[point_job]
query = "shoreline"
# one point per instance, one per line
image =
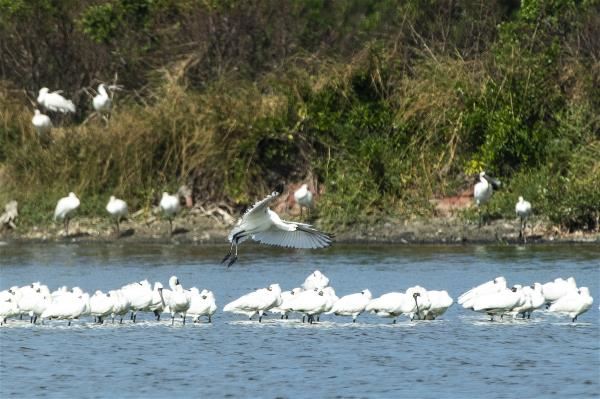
(202, 230)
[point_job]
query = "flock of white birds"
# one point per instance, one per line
(312, 299)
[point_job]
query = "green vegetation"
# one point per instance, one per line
(387, 104)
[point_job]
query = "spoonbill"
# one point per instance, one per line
(64, 208)
(102, 102)
(257, 302)
(117, 208)
(169, 205)
(315, 280)
(101, 305)
(574, 303)
(304, 198)
(351, 305)
(54, 101)
(554, 290)
(178, 301)
(392, 305)
(263, 225)
(483, 191)
(287, 297)
(499, 303)
(523, 210)
(495, 285)
(310, 303)
(41, 123)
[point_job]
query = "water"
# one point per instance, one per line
(460, 355)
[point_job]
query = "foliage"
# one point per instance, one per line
(385, 104)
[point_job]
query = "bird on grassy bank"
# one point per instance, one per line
(41, 123)
(117, 208)
(304, 198)
(483, 191)
(263, 225)
(64, 209)
(101, 101)
(523, 210)
(169, 205)
(54, 101)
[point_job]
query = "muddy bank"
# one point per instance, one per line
(195, 228)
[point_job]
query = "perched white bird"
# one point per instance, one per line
(257, 302)
(310, 303)
(54, 101)
(303, 197)
(64, 208)
(41, 123)
(351, 305)
(523, 210)
(102, 102)
(263, 225)
(117, 208)
(169, 205)
(202, 304)
(315, 280)
(574, 303)
(483, 191)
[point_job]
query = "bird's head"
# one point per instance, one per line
(520, 198)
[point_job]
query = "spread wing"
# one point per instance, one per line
(305, 236)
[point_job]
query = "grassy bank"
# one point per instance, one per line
(384, 116)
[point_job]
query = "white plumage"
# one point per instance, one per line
(523, 211)
(41, 123)
(54, 101)
(554, 290)
(263, 225)
(574, 303)
(117, 208)
(315, 280)
(351, 305)
(170, 206)
(179, 301)
(256, 302)
(64, 208)
(496, 285)
(102, 102)
(303, 197)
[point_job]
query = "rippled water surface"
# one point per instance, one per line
(460, 355)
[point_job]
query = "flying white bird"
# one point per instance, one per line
(64, 207)
(54, 101)
(41, 123)
(303, 197)
(483, 191)
(169, 205)
(523, 210)
(117, 208)
(263, 225)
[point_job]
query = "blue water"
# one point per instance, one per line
(460, 355)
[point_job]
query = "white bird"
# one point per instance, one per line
(574, 303)
(257, 302)
(315, 280)
(499, 303)
(558, 288)
(263, 225)
(495, 285)
(169, 205)
(179, 301)
(310, 303)
(64, 208)
(41, 123)
(102, 102)
(287, 297)
(533, 299)
(440, 302)
(392, 305)
(117, 208)
(303, 197)
(351, 305)
(202, 304)
(483, 191)
(68, 306)
(8, 308)
(54, 101)
(101, 305)
(139, 295)
(121, 305)
(422, 302)
(523, 210)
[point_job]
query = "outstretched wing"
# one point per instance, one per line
(305, 236)
(257, 210)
